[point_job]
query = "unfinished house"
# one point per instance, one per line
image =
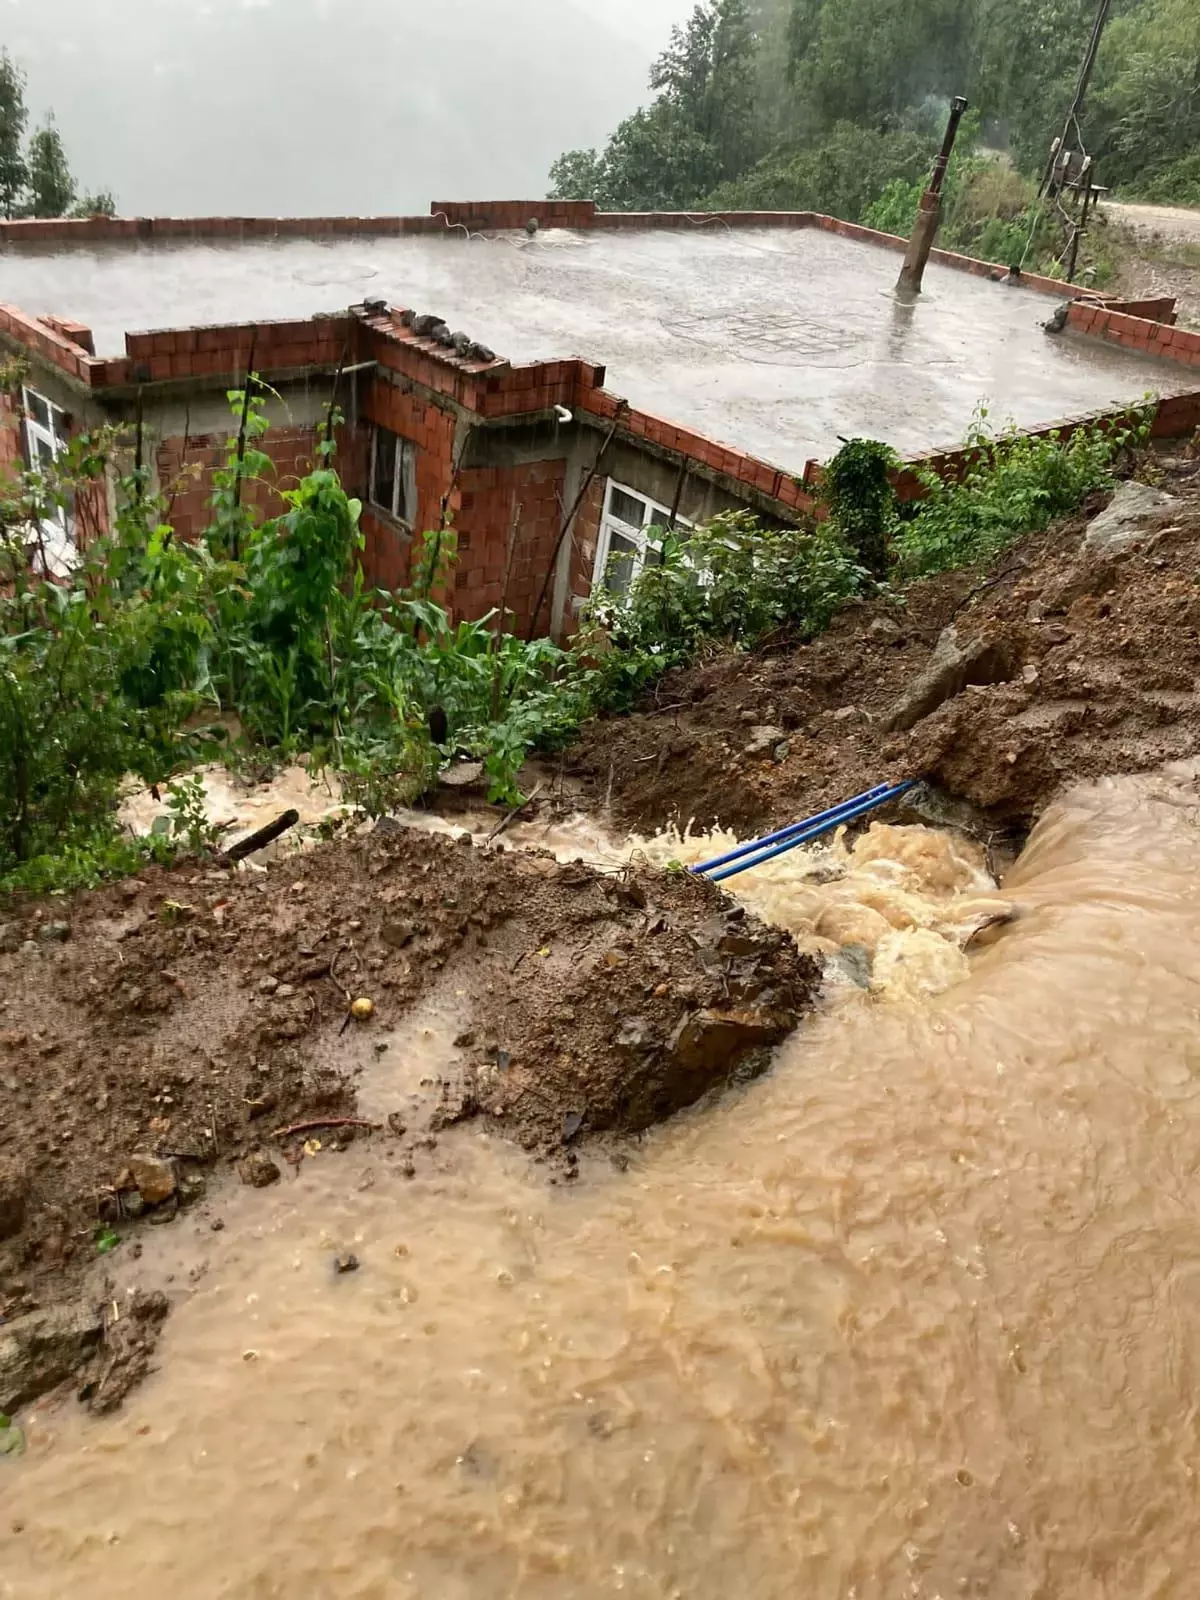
(558, 384)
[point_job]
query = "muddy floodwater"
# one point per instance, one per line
(916, 1315)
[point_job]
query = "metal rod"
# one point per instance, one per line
(815, 832)
(755, 845)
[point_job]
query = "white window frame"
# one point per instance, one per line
(58, 530)
(404, 478)
(657, 516)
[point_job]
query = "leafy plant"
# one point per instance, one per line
(858, 490)
(187, 823)
(1013, 485)
(731, 582)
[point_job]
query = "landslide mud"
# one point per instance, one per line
(196, 1019)
(1091, 665)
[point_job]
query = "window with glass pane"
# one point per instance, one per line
(383, 478)
(393, 475)
(627, 507)
(45, 440)
(631, 534)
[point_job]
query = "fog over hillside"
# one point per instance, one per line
(319, 106)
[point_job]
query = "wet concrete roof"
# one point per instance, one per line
(775, 341)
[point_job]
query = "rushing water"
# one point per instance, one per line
(914, 1316)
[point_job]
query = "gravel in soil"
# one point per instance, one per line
(196, 1018)
(1080, 664)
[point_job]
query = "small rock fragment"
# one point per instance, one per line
(763, 738)
(345, 1261)
(258, 1170)
(153, 1178)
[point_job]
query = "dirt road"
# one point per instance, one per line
(1179, 224)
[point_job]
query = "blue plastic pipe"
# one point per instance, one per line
(814, 830)
(835, 814)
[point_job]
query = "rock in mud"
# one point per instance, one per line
(763, 739)
(10, 938)
(14, 1189)
(153, 1178)
(54, 932)
(258, 1170)
(124, 1359)
(345, 1261)
(44, 1349)
(953, 666)
(1124, 524)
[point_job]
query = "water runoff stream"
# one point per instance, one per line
(912, 1316)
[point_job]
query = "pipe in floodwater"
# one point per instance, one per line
(755, 845)
(805, 833)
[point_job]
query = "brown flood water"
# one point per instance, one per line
(916, 1316)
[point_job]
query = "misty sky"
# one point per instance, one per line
(277, 107)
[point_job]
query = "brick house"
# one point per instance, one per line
(550, 479)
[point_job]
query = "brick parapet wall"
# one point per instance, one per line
(1140, 334)
(1174, 417)
(181, 354)
(470, 217)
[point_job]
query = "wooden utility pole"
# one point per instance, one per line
(930, 214)
(1061, 145)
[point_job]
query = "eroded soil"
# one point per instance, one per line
(1088, 664)
(198, 1017)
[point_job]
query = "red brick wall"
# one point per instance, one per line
(585, 534)
(491, 497)
(1137, 333)
(12, 458)
(185, 469)
(414, 417)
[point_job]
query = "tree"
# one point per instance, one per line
(101, 204)
(13, 117)
(699, 130)
(706, 76)
(654, 162)
(868, 61)
(577, 175)
(51, 187)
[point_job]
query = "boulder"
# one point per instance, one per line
(763, 739)
(153, 1178)
(258, 1170)
(44, 1349)
(953, 666)
(1124, 524)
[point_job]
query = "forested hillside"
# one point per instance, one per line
(837, 105)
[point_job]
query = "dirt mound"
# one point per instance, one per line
(198, 1017)
(1068, 663)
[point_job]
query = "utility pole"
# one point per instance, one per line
(930, 213)
(1059, 150)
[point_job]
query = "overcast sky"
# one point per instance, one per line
(280, 107)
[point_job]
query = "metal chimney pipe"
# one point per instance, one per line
(930, 214)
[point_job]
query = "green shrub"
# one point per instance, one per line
(731, 582)
(857, 487)
(1014, 485)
